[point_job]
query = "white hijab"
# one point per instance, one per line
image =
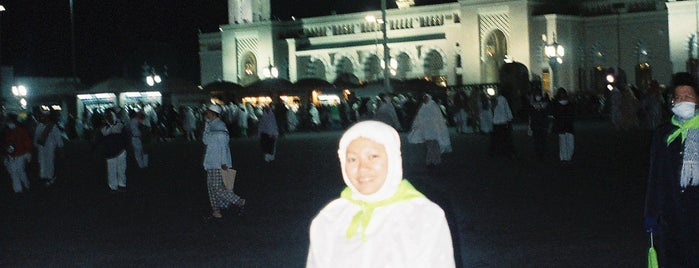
(387, 136)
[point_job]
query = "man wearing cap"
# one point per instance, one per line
(216, 158)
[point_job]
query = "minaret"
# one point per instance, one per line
(246, 11)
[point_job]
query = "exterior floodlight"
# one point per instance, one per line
(490, 91)
(610, 78)
(150, 81)
(157, 79)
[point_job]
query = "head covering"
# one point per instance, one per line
(215, 108)
(388, 137)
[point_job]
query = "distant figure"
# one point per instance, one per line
(139, 135)
(387, 112)
(243, 116)
(47, 140)
(563, 118)
(217, 157)
(268, 132)
(486, 114)
(380, 219)
(315, 117)
(430, 127)
(189, 124)
(18, 148)
(114, 141)
(501, 138)
(539, 112)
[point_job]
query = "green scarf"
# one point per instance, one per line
(682, 128)
(361, 219)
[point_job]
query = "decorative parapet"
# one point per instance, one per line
(356, 23)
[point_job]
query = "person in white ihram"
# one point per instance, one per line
(380, 219)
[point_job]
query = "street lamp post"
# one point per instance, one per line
(2, 9)
(386, 53)
(554, 52)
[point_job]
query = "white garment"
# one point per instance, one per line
(16, 167)
(566, 144)
(216, 139)
(315, 115)
(46, 153)
(429, 124)
(387, 114)
(502, 113)
(116, 171)
(189, 122)
(137, 143)
(411, 233)
(268, 124)
(408, 233)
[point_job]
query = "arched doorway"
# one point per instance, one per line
(343, 66)
(249, 74)
(495, 51)
(433, 65)
(315, 69)
(404, 66)
(372, 68)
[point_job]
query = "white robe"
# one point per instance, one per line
(47, 152)
(395, 237)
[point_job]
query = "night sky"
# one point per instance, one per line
(115, 37)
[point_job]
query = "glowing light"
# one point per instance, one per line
(490, 91)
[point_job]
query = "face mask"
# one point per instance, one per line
(11, 125)
(684, 110)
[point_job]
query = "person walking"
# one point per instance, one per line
(139, 133)
(672, 196)
(315, 117)
(47, 140)
(387, 112)
(539, 112)
(501, 137)
(217, 157)
(563, 118)
(114, 141)
(380, 219)
(268, 132)
(485, 116)
(429, 127)
(18, 148)
(189, 124)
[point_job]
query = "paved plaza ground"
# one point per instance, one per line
(521, 212)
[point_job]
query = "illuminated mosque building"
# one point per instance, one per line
(570, 44)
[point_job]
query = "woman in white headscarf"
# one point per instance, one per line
(430, 127)
(380, 219)
(217, 157)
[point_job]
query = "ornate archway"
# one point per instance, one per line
(495, 51)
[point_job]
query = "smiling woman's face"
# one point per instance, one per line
(366, 165)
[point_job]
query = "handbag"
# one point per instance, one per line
(228, 176)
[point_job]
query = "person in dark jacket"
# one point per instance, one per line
(539, 112)
(563, 117)
(672, 198)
